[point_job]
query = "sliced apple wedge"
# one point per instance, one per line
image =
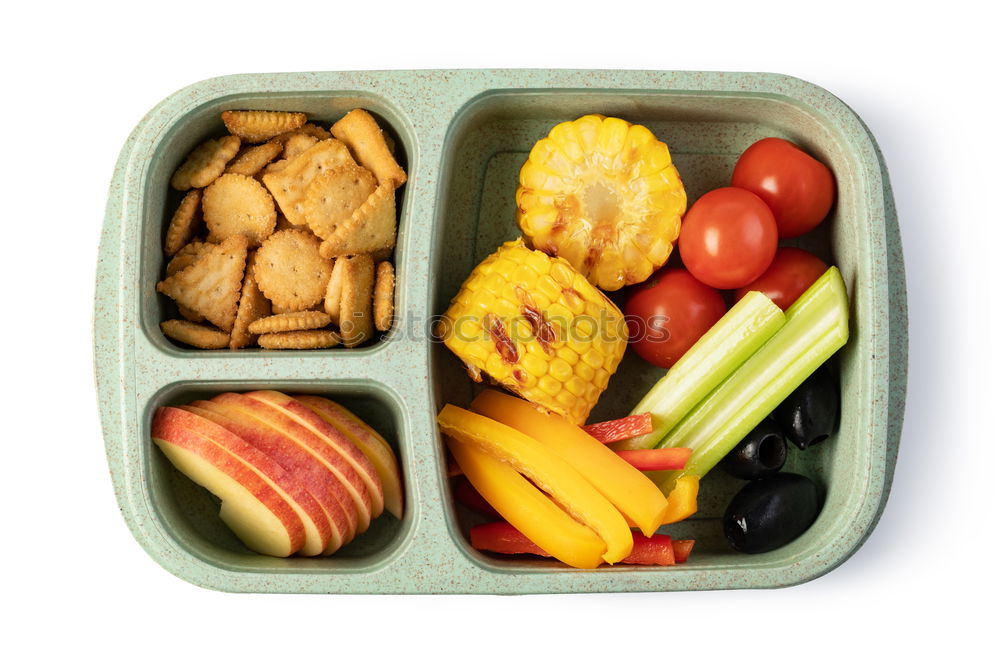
(256, 512)
(315, 477)
(333, 437)
(371, 444)
(284, 481)
(281, 421)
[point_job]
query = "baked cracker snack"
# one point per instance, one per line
(200, 336)
(332, 197)
(290, 271)
(298, 143)
(371, 228)
(358, 284)
(238, 205)
(252, 307)
(288, 185)
(211, 286)
(283, 322)
(252, 158)
(183, 223)
(365, 139)
(308, 129)
(187, 256)
(259, 126)
(385, 285)
(312, 339)
(331, 300)
(205, 163)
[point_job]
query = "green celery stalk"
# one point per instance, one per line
(816, 326)
(730, 342)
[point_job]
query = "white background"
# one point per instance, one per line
(78, 78)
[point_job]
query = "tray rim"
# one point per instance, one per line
(889, 427)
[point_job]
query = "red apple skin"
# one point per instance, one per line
(334, 437)
(314, 475)
(179, 428)
(285, 424)
(291, 483)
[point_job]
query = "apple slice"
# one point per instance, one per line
(283, 422)
(261, 518)
(369, 442)
(317, 525)
(333, 437)
(338, 510)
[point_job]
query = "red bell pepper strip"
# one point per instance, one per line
(682, 549)
(502, 537)
(649, 460)
(621, 429)
(467, 495)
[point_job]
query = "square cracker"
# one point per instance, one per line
(288, 185)
(333, 196)
(367, 143)
(371, 228)
(357, 289)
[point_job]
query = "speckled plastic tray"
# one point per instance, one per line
(462, 136)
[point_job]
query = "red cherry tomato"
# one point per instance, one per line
(798, 188)
(728, 238)
(791, 273)
(668, 313)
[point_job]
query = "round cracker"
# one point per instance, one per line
(256, 126)
(205, 163)
(282, 322)
(238, 205)
(291, 272)
(190, 333)
(183, 223)
(312, 339)
(385, 282)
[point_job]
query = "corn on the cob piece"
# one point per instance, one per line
(605, 195)
(537, 327)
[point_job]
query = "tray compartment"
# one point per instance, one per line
(188, 513)
(489, 140)
(204, 122)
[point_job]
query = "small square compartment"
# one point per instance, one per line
(488, 142)
(160, 200)
(188, 513)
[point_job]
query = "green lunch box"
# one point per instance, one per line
(462, 136)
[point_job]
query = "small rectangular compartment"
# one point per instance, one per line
(462, 136)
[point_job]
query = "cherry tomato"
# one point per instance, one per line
(791, 273)
(668, 313)
(728, 238)
(798, 188)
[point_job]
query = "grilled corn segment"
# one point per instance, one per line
(537, 327)
(603, 194)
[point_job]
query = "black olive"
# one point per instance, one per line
(809, 415)
(768, 513)
(759, 454)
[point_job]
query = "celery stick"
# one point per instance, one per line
(815, 328)
(730, 342)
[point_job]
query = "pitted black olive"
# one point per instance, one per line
(768, 513)
(759, 454)
(809, 415)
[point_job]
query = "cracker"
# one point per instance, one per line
(332, 197)
(283, 322)
(309, 129)
(288, 185)
(371, 228)
(331, 300)
(290, 271)
(367, 143)
(205, 163)
(252, 307)
(298, 143)
(385, 285)
(188, 314)
(259, 126)
(238, 205)
(211, 286)
(356, 292)
(312, 339)
(200, 336)
(183, 223)
(187, 256)
(253, 158)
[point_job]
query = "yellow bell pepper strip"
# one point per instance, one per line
(547, 470)
(518, 501)
(683, 500)
(624, 486)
